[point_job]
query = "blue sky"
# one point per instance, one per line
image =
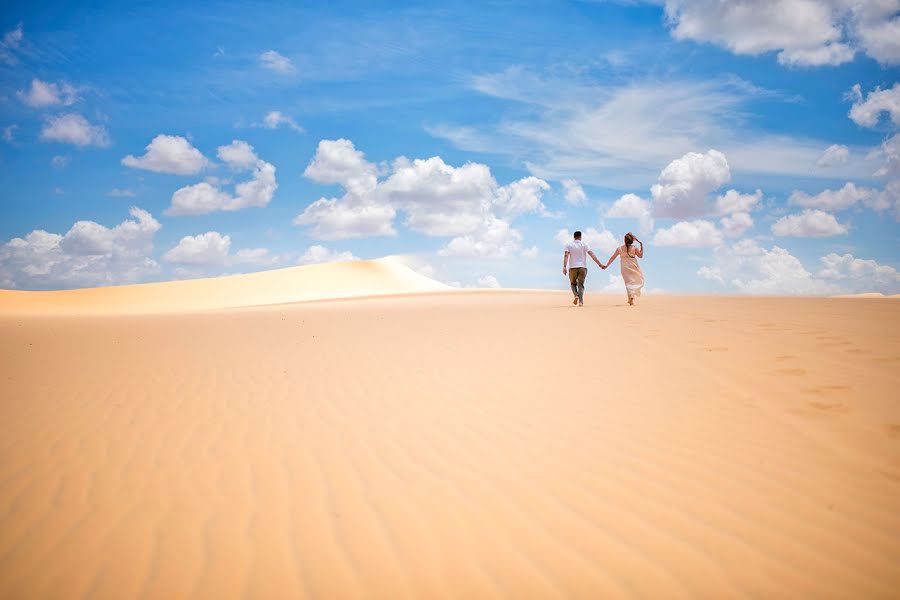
(753, 146)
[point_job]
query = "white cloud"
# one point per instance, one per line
(574, 194)
(10, 43)
(748, 268)
(684, 185)
(835, 154)
(275, 119)
(621, 135)
(60, 161)
(339, 219)
(521, 197)
(489, 281)
(859, 275)
(736, 224)
(74, 129)
(889, 152)
(602, 242)
(42, 94)
(207, 249)
(274, 61)
(691, 234)
(206, 197)
(238, 155)
(834, 200)
(440, 199)
(809, 223)
(492, 239)
(803, 32)
(9, 133)
(169, 154)
(320, 254)
(89, 254)
(867, 113)
(338, 161)
(117, 193)
(633, 206)
(733, 201)
(437, 199)
(212, 249)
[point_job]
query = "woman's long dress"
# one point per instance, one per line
(631, 271)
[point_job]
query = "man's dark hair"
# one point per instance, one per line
(577, 235)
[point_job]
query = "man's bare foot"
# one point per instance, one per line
(631, 302)
(575, 300)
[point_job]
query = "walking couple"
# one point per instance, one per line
(575, 265)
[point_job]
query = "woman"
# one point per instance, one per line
(631, 270)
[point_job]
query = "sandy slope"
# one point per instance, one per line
(460, 445)
(350, 279)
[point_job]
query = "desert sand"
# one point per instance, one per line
(222, 439)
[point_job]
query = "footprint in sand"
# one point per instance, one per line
(892, 430)
(792, 372)
(716, 349)
(827, 390)
(828, 406)
(784, 357)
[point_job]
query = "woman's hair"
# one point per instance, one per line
(629, 239)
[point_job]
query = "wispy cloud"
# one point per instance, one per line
(274, 61)
(620, 135)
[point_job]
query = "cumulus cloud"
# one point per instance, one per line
(437, 199)
(601, 242)
(803, 32)
(168, 154)
(492, 239)
(74, 129)
(204, 197)
(489, 281)
(88, 254)
(736, 224)
(274, 61)
(275, 119)
(856, 275)
(690, 234)
(809, 223)
(841, 199)
(635, 207)
(320, 254)
(238, 155)
(867, 113)
(733, 201)
(212, 249)
(574, 193)
(684, 185)
(749, 268)
(206, 249)
(835, 154)
(42, 94)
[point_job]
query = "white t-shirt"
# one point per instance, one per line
(578, 252)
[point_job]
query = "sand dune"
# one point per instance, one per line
(465, 445)
(350, 279)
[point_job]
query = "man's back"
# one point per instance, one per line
(578, 253)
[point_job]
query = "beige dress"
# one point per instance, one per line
(631, 271)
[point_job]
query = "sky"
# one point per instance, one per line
(753, 146)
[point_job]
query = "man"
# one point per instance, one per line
(576, 259)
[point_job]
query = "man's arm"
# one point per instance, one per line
(565, 262)
(599, 264)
